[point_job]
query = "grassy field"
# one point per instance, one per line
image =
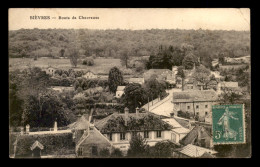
(102, 65)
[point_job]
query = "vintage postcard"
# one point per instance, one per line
(228, 124)
(129, 83)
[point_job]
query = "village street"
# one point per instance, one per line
(163, 107)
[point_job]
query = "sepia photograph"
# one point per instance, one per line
(129, 83)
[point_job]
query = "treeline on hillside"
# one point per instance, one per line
(112, 43)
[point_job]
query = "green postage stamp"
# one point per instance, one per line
(228, 124)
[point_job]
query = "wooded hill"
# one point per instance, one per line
(110, 43)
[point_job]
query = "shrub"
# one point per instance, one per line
(116, 153)
(104, 152)
(88, 62)
(85, 62)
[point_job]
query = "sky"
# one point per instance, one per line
(133, 18)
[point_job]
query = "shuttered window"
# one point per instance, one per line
(80, 151)
(122, 136)
(146, 134)
(158, 133)
(110, 136)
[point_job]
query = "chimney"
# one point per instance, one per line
(172, 115)
(22, 130)
(78, 116)
(27, 128)
(91, 126)
(55, 126)
(126, 115)
(137, 111)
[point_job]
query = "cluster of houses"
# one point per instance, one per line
(232, 63)
(87, 137)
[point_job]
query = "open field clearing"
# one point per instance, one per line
(101, 65)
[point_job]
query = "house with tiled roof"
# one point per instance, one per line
(44, 144)
(161, 74)
(81, 139)
(136, 80)
(197, 103)
(120, 91)
(120, 127)
(179, 131)
(198, 136)
(89, 141)
(192, 151)
(228, 87)
(50, 70)
(90, 75)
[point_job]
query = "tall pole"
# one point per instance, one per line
(148, 103)
(152, 99)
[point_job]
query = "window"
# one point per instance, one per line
(158, 134)
(134, 134)
(188, 107)
(94, 150)
(206, 113)
(191, 87)
(110, 136)
(203, 142)
(197, 106)
(122, 136)
(206, 106)
(80, 151)
(146, 134)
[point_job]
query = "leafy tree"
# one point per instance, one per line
(177, 56)
(15, 105)
(124, 57)
(163, 149)
(62, 51)
(229, 97)
(42, 110)
(221, 59)
(88, 61)
(189, 61)
(202, 75)
(138, 147)
(73, 55)
(154, 88)
(133, 96)
(115, 79)
(182, 75)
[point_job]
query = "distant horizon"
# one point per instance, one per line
(229, 19)
(127, 29)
